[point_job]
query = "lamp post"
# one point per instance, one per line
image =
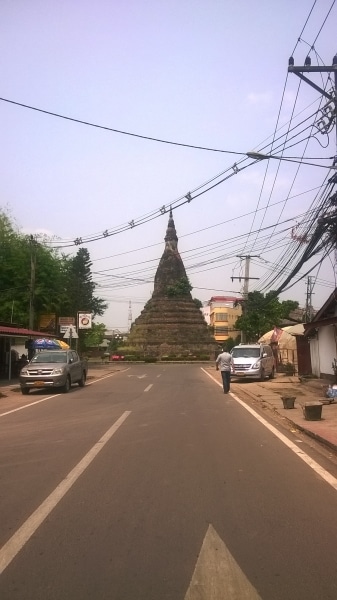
(260, 156)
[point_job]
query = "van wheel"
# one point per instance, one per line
(262, 375)
(24, 391)
(272, 374)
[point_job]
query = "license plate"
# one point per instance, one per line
(38, 383)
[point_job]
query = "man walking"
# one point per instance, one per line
(224, 362)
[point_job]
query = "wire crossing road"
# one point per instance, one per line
(152, 484)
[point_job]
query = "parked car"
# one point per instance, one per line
(116, 357)
(253, 360)
(53, 369)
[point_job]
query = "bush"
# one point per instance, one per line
(150, 359)
(132, 357)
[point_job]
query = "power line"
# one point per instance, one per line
(113, 130)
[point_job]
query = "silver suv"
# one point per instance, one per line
(253, 361)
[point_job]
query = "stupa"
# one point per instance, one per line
(171, 323)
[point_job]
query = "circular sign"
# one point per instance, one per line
(85, 321)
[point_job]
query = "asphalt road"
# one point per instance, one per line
(151, 484)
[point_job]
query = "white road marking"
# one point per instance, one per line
(330, 479)
(217, 576)
(148, 387)
(25, 532)
(55, 395)
(27, 405)
(159, 375)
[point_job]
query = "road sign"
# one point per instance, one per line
(71, 333)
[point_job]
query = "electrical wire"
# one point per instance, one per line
(136, 135)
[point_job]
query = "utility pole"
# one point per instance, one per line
(129, 317)
(329, 110)
(308, 303)
(245, 286)
(32, 281)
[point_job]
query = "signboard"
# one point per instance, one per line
(47, 323)
(70, 333)
(66, 321)
(84, 320)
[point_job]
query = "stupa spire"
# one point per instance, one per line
(171, 238)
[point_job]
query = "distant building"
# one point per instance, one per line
(223, 313)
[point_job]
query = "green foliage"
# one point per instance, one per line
(197, 302)
(262, 313)
(62, 285)
(230, 343)
(94, 336)
(181, 288)
(150, 359)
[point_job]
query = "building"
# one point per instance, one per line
(224, 311)
(13, 343)
(321, 334)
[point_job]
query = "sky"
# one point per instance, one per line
(205, 74)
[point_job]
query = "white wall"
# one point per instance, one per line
(327, 348)
(314, 355)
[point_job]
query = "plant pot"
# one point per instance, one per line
(312, 411)
(288, 401)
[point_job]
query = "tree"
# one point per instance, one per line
(95, 336)
(19, 254)
(62, 285)
(262, 313)
(80, 286)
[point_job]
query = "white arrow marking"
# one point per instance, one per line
(217, 576)
(141, 376)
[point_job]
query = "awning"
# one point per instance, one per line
(20, 331)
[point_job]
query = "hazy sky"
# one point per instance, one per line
(205, 73)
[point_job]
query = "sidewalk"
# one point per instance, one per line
(269, 394)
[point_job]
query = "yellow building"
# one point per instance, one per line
(224, 311)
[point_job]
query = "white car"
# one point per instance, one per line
(253, 361)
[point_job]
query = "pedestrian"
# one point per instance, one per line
(224, 362)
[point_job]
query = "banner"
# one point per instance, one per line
(276, 335)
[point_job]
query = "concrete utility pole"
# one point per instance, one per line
(245, 286)
(328, 113)
(308, 304)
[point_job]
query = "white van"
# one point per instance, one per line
(253, 361)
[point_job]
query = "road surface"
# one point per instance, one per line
(151, 484)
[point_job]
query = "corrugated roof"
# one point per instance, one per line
(4, 330)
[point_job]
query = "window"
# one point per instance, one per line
(221, 317)
(221, 331)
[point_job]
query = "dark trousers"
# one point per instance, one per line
(226, 380)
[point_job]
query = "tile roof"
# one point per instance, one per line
(4, 330)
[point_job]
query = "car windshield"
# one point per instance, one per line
(246, 352)
(50, 357)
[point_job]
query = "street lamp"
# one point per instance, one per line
(259, 156)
